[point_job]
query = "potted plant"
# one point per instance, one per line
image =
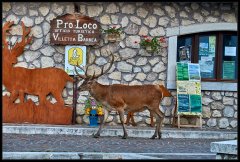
(88, 106)
(152, 44)
(93, 109)
(99, 109)
(113, 33)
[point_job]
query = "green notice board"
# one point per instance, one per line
(228, 69)
(182, 71)
(189, 99)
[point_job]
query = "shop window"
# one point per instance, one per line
(229, 58)
(216, 53)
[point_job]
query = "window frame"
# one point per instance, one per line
(218, 55)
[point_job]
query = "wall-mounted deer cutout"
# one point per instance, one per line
(122, 98)
(20, 81)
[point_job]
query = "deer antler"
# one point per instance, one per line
(80, 75)
(85, 71)
(109, 67)
(93, 76)
(5, 29)
(19, 47)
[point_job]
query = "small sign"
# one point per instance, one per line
(74, 29)
(194, 72)
(75, 55)
(228, 69)
(230, 51)
(185, 54)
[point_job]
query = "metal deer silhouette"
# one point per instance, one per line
(20, 81)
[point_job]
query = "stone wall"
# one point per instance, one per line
(133, 64)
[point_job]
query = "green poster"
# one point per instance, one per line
(203, 49)
(195, 103)
(182, 71)
(194, 72)
(183, 102)
(212, 44)
(228, 69)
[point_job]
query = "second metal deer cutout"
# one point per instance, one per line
(19, 80)
(40, 82)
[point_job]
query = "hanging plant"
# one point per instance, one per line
(152, 44)
(113, 33)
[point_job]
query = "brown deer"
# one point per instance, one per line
(124, 97)
(20, 81)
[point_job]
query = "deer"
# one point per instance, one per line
(20, 81)
(121, 98)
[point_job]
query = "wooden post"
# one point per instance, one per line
(200, 122)
(174, 114)
(74, 99)
(179, 121)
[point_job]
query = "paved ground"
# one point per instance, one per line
(166, 148)
(70, 143)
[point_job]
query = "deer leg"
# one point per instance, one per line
(159, 120)
(128, 118)
(58, 97)
(121, 115)
(102, 121)
(21, 97)
(152, 122)
(14, 95)
(132, 119)
(42, 99)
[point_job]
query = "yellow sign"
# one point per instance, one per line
(75, 56)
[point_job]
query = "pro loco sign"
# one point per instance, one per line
(74, 29)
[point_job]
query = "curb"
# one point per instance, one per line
(94, 155)
(73, 155)
(141, 133)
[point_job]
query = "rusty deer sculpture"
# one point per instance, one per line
(124, 97)
(20, 81)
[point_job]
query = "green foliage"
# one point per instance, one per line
(113, 30)
(154, 43)
(88, 103)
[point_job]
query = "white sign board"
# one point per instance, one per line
(75, 55)
(230, 51)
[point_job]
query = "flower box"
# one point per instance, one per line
(113, 37)
(113, 33)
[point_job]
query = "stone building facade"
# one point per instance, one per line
(133, 65)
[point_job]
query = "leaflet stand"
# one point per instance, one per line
(178, 116)
(188, 100)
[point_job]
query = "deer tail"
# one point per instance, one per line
(164, 91)
(160, 90)
(68, 78)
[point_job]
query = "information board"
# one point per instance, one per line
(74, 29)
(75, 55)
(189, 99)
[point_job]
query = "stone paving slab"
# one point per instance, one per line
(116, 131)
(30, 141)
(73, 143)
(73, 155)
(225, 147)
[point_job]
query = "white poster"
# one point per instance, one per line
(230, 51)
(204, 45)
(75, 55)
